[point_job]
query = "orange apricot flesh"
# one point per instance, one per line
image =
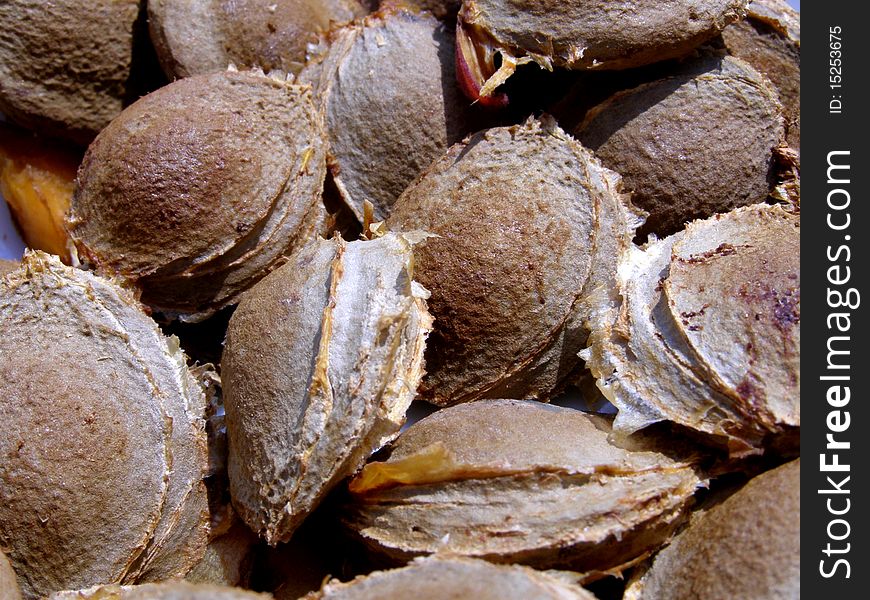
(37, 179)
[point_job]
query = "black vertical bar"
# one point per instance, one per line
(835, 253)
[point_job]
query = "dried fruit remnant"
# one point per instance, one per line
(514, 481)
(476, 70)
(37, 178)
(322, 360)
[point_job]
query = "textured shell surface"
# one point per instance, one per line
(88, 379)
(697, 142)
(454, 577)
(322, 360)
(192, 38)
(705, 331)
(514, 481)
(604, 33)
(769, 39)
(527, 223)
(753, 538)
(65, 65)
(193, 198)
(383, 135)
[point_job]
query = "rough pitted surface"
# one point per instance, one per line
(769, 39)
(199, 188)
(384, 132)
(513, 481)
(322, 360)
(64, 65)
(705, 330)
(86, 380)
(606, 34)
(170, 590)
(435, 578)
(192, 38)
(693, 144)
(526, 220)
(747, 547)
